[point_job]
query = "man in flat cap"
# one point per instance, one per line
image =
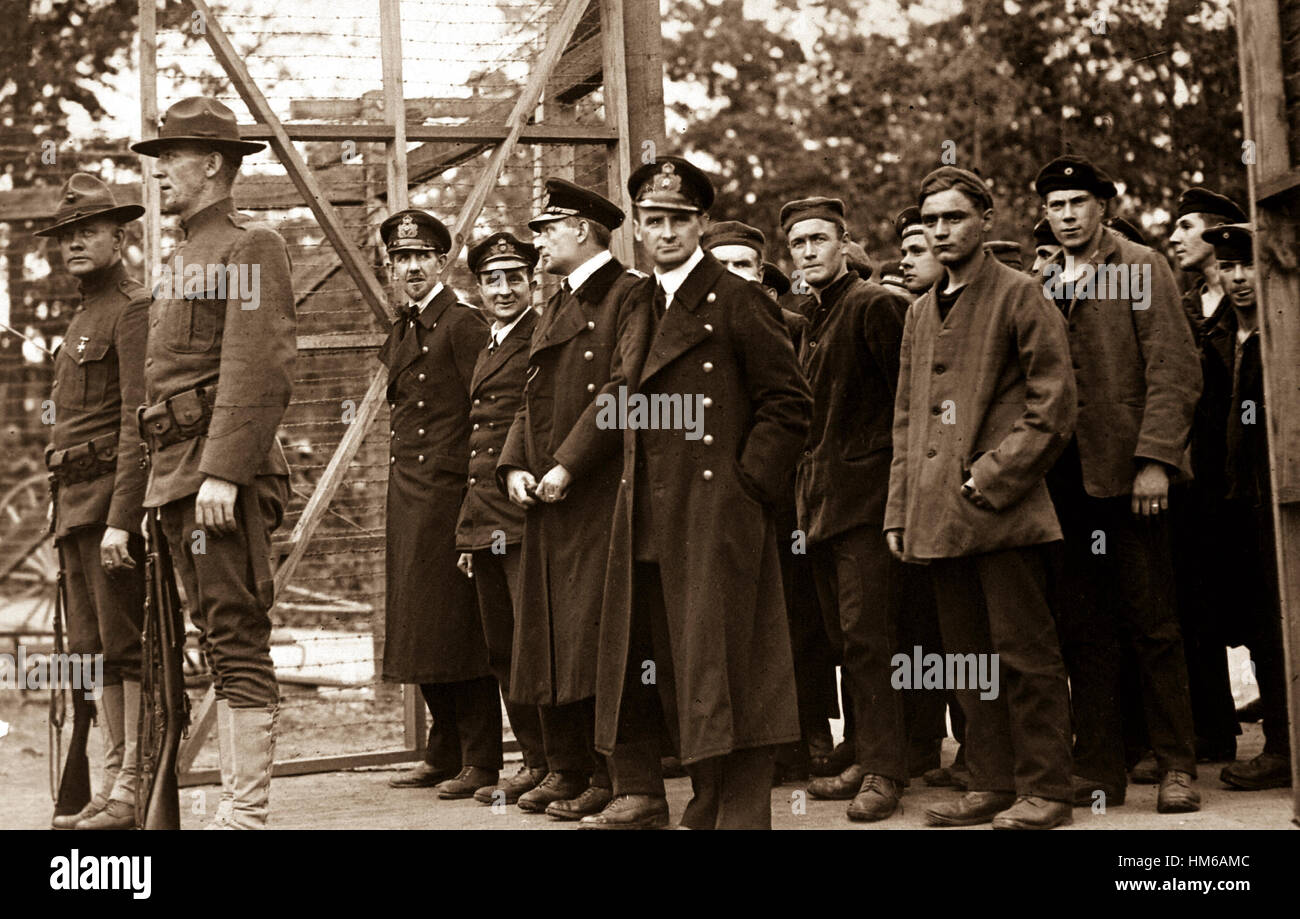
(1249, 554)
(986, 402)
(490, 527)
(218, 377)
(97, 480)
(566, 543)
(430, 354)
(741, 248)
(1207, 589)
(1046, 246)
(850, 357)
(693, 635)
(1136, 373)
(920, 268)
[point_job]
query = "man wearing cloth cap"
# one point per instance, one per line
(1136, 373)
(1208, 590)
(985, 403)
(1045, 246)
(693, 633)
(1250, 552)
(490, 527)
(850, 357)
(218, 377)
(741, 249)
(566, 543)
(97, 480)
(920, 268)
(430, 355)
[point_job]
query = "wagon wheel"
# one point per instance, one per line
(29, 564)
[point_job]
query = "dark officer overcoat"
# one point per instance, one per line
(566, 544)
(433, 633)
(713, 530)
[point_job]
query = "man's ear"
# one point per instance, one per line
(987, 220)
(212, 162)
(444, 259)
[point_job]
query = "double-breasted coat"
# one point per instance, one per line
(713, 533)
(496, 390)
(566, 544)
(987, 392)
(433, 632)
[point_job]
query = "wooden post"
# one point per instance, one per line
(148, 46)
(643, 50)
(1274, 198)
(618, 169)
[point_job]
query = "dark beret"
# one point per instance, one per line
(1043, 235)
(963, 180)
(1127, 229)
(1232, 243)
(1074, 172)
(857, 260)
(908, 221)
(831, 209)
(671, 183)
(1198, 200)
(414, 229)
(564, 199)
(501, 251)
(734, 233)
(775, 278)
(892, 273)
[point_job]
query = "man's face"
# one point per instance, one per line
(954, 228)
(817, 247)
(417, 270)
(1074, 215)
(560, 246)
(741, 260)
(1239, 279)
(920, 268)
(183, 172)
(90, 245)
(505, 292)
(1192, 252)
(669, 237)
(1043, 255)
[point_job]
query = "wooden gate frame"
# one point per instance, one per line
(1274, 189)
(632, 76)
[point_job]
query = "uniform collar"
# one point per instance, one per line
(428, 298)
(104, 278)
(832, 292)
(578, 276)
(214, 213)
(500, 333)
(673, 279)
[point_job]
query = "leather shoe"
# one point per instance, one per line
(842, 787)
(833, 763)
(591, 801)
(876, 799)
(1146, 772)
(1084, 788)
(1031, 812)
(557, 786)
(118, 815)
(466, 782)
(70, 821)
(970, 809)
(422, 776)
(1268, 770)
(629, 812)
(1177, 794)
(524, 780)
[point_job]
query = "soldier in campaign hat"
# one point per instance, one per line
(97, 481)
(218, 378)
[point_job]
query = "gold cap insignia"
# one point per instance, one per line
(407, 228)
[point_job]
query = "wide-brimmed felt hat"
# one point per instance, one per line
(84, 198)
(198, 119)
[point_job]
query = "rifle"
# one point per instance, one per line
(70, 778)
(164, 707)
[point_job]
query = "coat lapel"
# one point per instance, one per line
(681, 328)
(492, 360)
(403, 345)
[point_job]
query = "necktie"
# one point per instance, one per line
(410, 313)
(660, 301)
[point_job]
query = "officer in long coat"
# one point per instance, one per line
(97, 475)
(693, 634)
(218, 378)
(566, 544)
(433, 634)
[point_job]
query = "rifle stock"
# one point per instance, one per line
(69, 778)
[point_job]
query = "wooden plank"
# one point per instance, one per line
(618, 158)
(390, 30)
(340, 341)
(1279, 185)
(302, 177)
(470, 132)
(201, 723)
(151, 199)
(643, 50)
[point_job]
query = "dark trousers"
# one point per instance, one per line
(814, 664)
(220, 574)
(466, 728)
(996, 603)
(569, 735)
(856, 577)
(726, 791)
(918, 626)
(496, 579)
(1106, 599)
(1265, 641)
(104, 612)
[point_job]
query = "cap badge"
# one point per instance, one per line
(407, 228)
(1069, 170)
(503, 247)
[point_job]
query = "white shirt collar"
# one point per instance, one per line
(428, 298)
(499, 331)
(578, 276)
(674, 278)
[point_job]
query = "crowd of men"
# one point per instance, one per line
(1053, 481)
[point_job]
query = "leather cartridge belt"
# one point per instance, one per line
(84, 462)
(182, 417)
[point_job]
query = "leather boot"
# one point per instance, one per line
(114, 814)
(1268, 770)
(225, 752)
(112, 763)
(124, 788)
(253, 748)
(1031, 812)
